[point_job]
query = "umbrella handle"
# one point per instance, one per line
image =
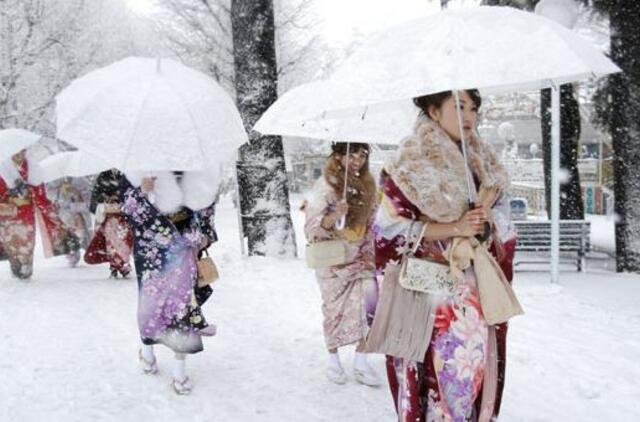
(341, 222)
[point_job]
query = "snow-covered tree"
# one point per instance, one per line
(619, 108)
(46, 44)
(262, 179)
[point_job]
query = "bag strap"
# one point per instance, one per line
(412, 251)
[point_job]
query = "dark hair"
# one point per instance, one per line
(436, 100)
(340, 148)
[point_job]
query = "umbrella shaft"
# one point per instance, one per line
(470, 188)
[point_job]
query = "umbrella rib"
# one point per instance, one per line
(168, 82)
(135, 127)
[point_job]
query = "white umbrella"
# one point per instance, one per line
(149, 114)
(495, 49)
(13, 141)
(69, 164)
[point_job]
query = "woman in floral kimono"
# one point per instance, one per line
(112, 241)
(425, 200)
(21, 204)
(72, 196)
(346, 289)
(171, 217)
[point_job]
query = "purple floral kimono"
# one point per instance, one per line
(165, 251)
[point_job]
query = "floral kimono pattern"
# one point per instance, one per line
(113, 239)
(349, 291)
(165, 259)
(462, 376)
(17, 232)
(72, 196)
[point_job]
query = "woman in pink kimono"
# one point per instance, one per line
(425, 200)
(348, 291)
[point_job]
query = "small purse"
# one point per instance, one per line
(425, 275)
(326, 253)
(207, 270)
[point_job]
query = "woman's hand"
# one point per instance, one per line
(472, 223)
(342, 208)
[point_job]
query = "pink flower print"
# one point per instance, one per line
(468, 326)
(468, 359)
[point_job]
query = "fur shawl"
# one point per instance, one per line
(429, 170)
(197, 190)
(361, 192)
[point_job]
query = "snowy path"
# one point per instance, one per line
(68, 345)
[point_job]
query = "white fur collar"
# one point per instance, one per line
(196, 190)
(429, 170)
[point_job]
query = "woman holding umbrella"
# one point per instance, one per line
(346, 287)
(425, 205)
(171, 216)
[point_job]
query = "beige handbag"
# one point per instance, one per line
(426, 276)
(326, 253)
(207, 270)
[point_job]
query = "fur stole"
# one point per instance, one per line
(429, 170)
(196, 190)
(361, 192)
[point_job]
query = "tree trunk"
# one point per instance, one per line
(262, 178)
(625, 131)
(571, 205)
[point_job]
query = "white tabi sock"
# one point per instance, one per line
(360, 361)
(334, 360)
(147, 353)
(179, 367)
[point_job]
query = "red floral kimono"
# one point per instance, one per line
(17, 231)
(461, 376)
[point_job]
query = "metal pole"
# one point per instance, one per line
(340, 224)
(555, 182)
(239, 212)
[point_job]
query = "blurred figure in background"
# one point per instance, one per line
(112, 241)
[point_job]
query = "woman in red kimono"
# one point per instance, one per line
(21, 205)
(425, 205)
(113, 239)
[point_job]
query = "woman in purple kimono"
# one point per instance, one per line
(171, 217)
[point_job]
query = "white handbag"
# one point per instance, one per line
(326, 253)
(426, 276)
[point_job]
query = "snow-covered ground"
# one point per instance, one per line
(68, 348)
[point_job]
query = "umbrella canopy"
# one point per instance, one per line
(69, 164)
(13, 141)
(149, 114)
(494, 49)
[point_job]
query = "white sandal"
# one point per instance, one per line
(149, 368)
(182, 388)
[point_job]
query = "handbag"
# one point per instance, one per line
(207, 270)
(426, 276)
(326, 253)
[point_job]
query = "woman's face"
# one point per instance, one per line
(356, 160)
(447, 117)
